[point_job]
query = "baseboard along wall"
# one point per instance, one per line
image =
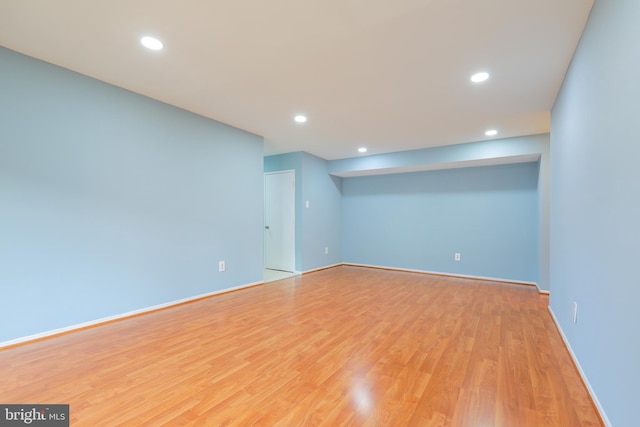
(101, 321)
(583, 376)
(463, 276)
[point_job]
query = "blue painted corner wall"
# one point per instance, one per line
(320, 225)
(496, 216)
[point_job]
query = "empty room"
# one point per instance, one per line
(319, 213)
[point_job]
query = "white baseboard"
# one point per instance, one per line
(322, 268)
(439, 273)
(599, 407)
(120, 316)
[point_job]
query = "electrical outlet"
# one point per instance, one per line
(326, 251)
(457, 256)
(575, 312)
(221, 266)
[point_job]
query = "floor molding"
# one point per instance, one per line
(323, 268)
(583, 376)
(104, 320)
(463, 276)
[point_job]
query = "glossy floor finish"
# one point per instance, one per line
(346, 346)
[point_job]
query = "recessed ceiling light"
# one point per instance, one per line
(151, 43)
(300, 118)
(491, 132)
(362, 150)
(479, 77)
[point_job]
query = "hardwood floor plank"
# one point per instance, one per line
(347, 346)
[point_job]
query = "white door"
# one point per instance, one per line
(280, 221)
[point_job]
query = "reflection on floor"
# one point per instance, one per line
(273, 275)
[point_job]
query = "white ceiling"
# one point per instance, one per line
(391, 75)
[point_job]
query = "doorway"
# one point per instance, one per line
(279, 225)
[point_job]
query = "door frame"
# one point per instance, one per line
(292, 256)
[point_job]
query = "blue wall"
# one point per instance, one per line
(112, 202)
(322, 220)
(419, 220)
(465, 155)
(595, 206)
(320, 225)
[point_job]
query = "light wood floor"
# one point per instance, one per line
(345, 346)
